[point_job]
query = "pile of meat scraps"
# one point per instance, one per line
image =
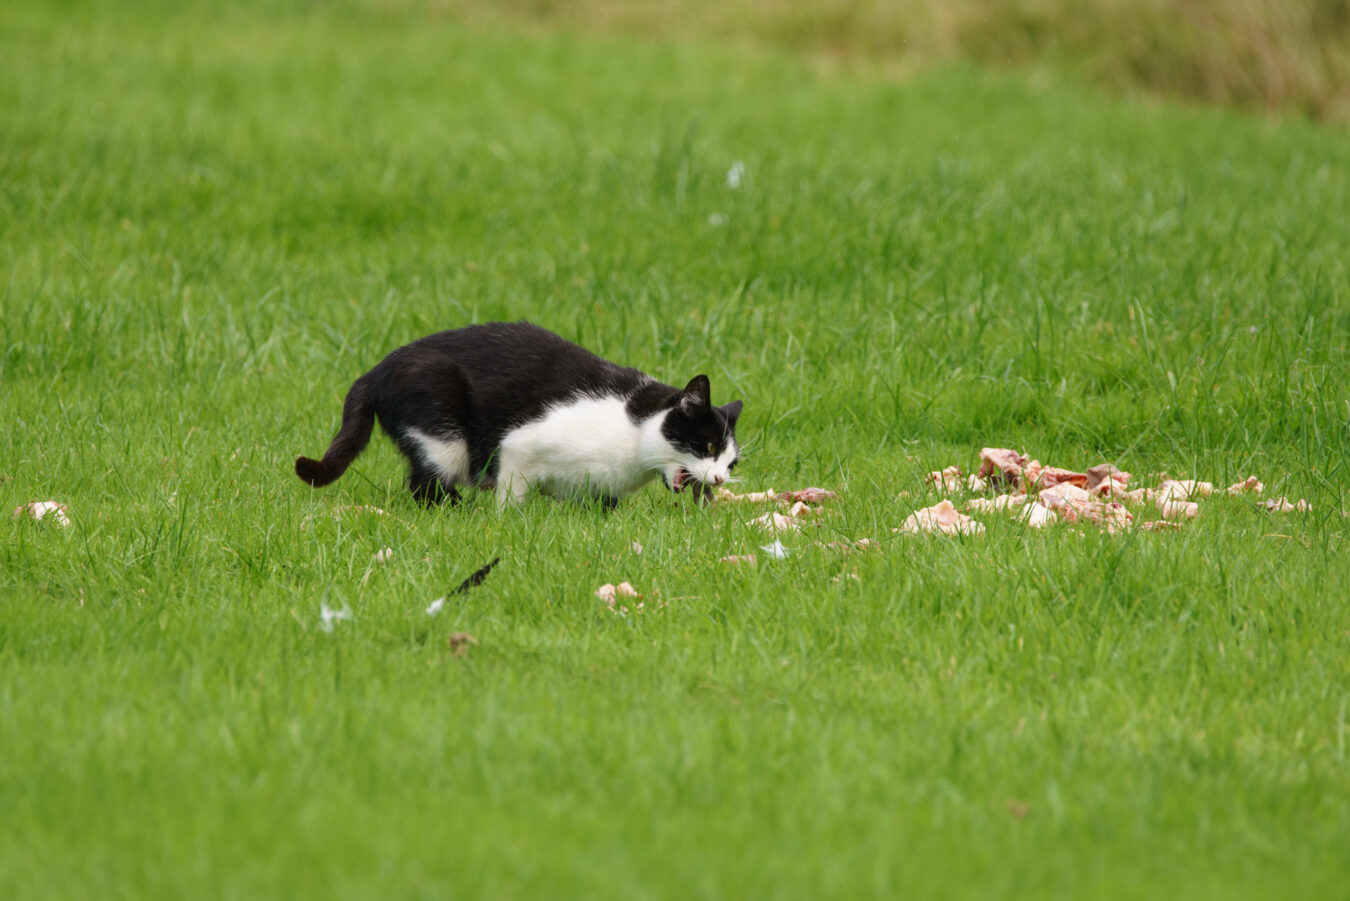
(801, 506)
(800, 502)
(1039, 495)
(800, 496)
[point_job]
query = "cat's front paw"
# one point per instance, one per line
(702, 491)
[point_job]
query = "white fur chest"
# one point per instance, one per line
(588, 445)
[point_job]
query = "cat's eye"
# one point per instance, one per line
(711, 450)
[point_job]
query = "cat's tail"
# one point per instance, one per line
(358, 418)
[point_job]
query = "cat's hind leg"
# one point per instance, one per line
(436, 465)
(429, 489)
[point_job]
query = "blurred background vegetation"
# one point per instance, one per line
(1277, 56)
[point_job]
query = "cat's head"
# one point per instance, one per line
(701, 436)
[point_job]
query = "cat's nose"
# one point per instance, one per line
(718, 480)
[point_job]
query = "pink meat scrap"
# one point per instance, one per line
(800, 496)
(1065, 494)
(947, 481)
(1184, 489)
(1105, 479)
(1249, 485)
(752, 497)
(1139, 496)
(951, 480)
(43, 509)
(775, 522)
(1110, 516)
(1172, 508)
(807, 496)
(1037, 515)
(995, 504)
(1001, 467)
(1283, 505)
(942, 518)
(609, 592)
(612, 595)
(1040, 476)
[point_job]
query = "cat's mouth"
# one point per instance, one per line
(681, 478)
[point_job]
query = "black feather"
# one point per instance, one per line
(477, 578)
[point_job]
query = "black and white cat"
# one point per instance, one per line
(513, 406)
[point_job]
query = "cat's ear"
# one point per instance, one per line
(697, 394)
(732, 411)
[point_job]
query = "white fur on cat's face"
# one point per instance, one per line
(714, 470)
(700, 438)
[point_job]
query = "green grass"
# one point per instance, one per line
(1287, 58)
(210, 222)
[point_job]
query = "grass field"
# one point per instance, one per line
(211, 221)
(1289, 57)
